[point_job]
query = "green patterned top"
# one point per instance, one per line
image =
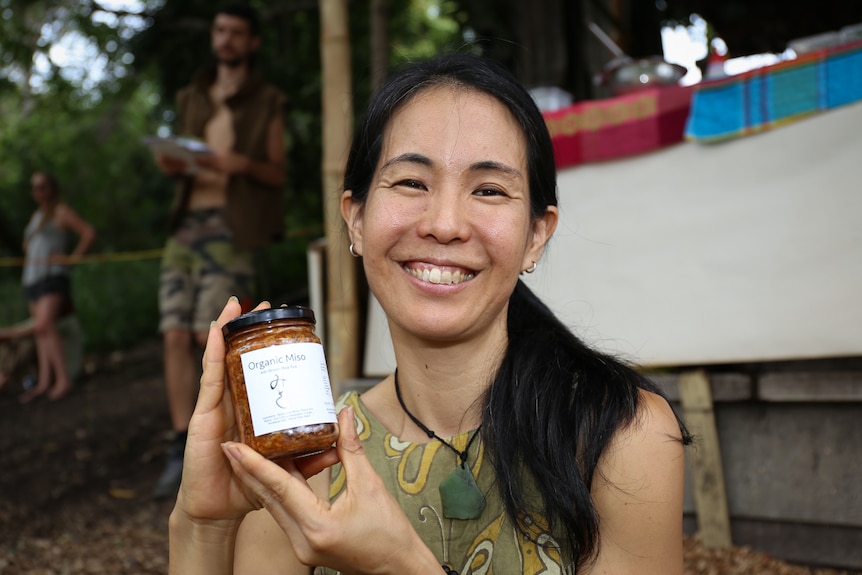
(489, 545)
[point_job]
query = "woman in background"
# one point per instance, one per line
(46, 280)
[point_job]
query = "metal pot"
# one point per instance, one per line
(624, 74)
(632, 75)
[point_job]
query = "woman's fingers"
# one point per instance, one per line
(281, 486)
(358, 532)
(269, 479)
(212, 379)
(364, 486)
(313, 464)
(262, 305)
(231, 310)
(349, 447)
(283, 491)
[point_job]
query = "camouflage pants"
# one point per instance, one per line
(200, 270)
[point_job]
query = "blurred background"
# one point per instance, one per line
(82, 81)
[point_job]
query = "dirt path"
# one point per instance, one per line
(75, 478)
(75, 474)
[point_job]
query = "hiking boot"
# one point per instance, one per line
(169, 482)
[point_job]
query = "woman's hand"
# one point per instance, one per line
(209, 491)
(61, 259)
(363, 531)
(65, 259)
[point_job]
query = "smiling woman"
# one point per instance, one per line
(501, 443)
(450, 200)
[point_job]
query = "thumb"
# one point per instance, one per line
(212, 379)
(349, 447)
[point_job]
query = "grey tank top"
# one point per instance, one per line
(42, 242)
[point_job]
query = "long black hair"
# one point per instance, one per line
(555, 403)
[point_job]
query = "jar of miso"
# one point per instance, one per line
(277, 375)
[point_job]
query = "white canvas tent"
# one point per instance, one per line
(742, 251)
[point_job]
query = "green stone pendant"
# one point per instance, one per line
(460, 495)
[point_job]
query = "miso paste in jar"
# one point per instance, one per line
(279, 382)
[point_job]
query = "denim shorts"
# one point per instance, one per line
(59, 284)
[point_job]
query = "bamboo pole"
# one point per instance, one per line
(341, 314)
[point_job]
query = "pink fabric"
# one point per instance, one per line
(597, 130)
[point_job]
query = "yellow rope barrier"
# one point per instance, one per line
(121, 256)
(140, 254)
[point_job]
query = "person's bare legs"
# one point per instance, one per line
(43, 364)
(53, 379)
(182, 359)
(16, 343)
(180, 376)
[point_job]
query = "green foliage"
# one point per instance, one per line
(89, 138)
(108, 178)
(116, 302)
(426, 26)
(13, 308)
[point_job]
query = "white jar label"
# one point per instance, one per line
(287, 386)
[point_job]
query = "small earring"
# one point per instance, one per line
(531, 269)
(356, 255)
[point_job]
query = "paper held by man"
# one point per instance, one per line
(180, 148)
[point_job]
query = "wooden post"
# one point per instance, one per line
(342, 319)
(710, 498)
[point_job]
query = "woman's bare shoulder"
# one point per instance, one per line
(656, 415)
(64, 213)
(638, 493)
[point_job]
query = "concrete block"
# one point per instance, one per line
(811, 386)
(725, 386)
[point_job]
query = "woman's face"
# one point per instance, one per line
(446, 227)
(41, 189)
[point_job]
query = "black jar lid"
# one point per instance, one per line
(266, 315)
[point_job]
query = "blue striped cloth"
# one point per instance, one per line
(775, 95)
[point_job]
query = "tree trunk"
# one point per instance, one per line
(342, 337)
(540, 30)
(379, 42)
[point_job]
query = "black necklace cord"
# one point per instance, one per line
(462, 455)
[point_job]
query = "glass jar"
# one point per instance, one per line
(277, 375)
